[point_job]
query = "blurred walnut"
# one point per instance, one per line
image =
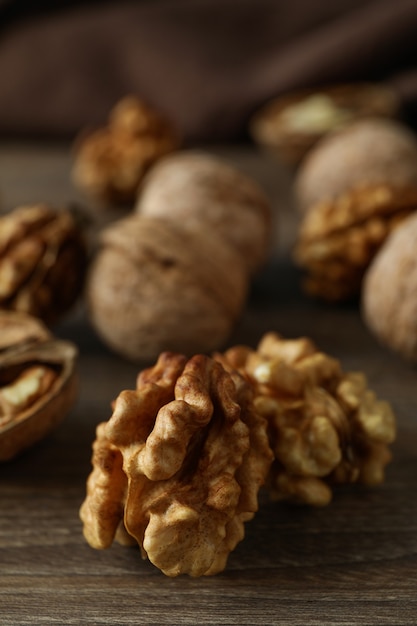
(37, 381)
(292, 123)
(110, 162)
(178, 466)
(325, 426)
(42, 261)
(154, 286)
(389, 294)
(198, 189)
(338, 238)
(364, 153)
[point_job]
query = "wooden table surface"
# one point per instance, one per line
(353, 562)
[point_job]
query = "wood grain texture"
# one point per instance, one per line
(353, 562)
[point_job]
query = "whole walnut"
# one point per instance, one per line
(389, 293)
(366, 152)
(43, 258)
(154, 287)
(198, 189)
(110, 162)
(178, 466)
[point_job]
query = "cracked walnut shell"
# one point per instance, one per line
(199, 190)
(389, 293)
(325, 426)
(42, 261)
(338, 238)
(178, 466)
(37, 382)
(154, 286)
(110, 162)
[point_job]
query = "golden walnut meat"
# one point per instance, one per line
(110, 162)
(155, 287)
(198, 190)
(389, 293)
(367, 152)
(325, 426)
(37, 381)
(338, 238)
(43, 259)
(178, 466)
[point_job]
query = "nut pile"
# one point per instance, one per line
(38, 381)
(178, 466)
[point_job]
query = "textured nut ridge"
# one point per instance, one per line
(389, 294)
(178, 466)
(42, 261)
(339, 238)
(110, 162)
(325, 426)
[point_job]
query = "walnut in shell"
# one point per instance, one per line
(367, 152)
(389, 293)
(110, 162)
(37, 382)
(338, 238)
(155, 287)
(289, 125)
(43, 259)
(198, 189)
(178, 466)
(325, 426)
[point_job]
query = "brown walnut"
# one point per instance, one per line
(38, 382)
(43, 259)
(178, 466)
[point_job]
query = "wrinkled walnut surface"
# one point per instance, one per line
(110, 162)
(38, 382)
(339, 238)
(178, 466)
(367, 152)
(154, 287)
(389, 294)
(42, 261)
(325, 426)
(198, 189)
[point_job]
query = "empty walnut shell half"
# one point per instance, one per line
(37, 382)
(43, 259)
(338, 238)
(109, 163)
(325, 425)
(154, 286)
(178, 466)
(199, 190)
(389, 293)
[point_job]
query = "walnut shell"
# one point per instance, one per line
(198, 190)
(338, 238)
(178, 466)
(389, 294)
(38, 382)
(325, 425)
(43, 258)
(110, 162)
(154, 287)
(289, 125)
(370, 151)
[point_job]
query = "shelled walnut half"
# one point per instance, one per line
(43, 258)
(37, 381)
(178, 466)
(339, 237)
(325, 426)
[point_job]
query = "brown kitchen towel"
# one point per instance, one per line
(208, 64)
